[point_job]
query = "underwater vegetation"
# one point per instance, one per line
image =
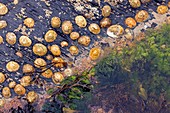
(145, 67)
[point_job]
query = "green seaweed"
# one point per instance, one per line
(148, 63)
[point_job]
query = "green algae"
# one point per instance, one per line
(146, 64)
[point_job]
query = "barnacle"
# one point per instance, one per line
(74, 35)
(25, 81)
(55, 22)
(47, 73)
(25, 41)
(12, 84)
(11, 38)
(3, 24)
(57, 77)
(84, 40)
(67, 27)
(141, 16)
(12, 66)
(28, 68)
(50, 36)
(58, 62)
(130, 22)
(6, 92)
(32, 96)
(105, 22)
(2, 77)
(55, 50)
(115, 31)
(106, 11)
(135, 3)
(74, 50)
(29, 22)
(162, 9)
(40, 63)
(95, 53)
(39, 49)
(3, 9)
(19, 89)
(80, 21)
(94, 28)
